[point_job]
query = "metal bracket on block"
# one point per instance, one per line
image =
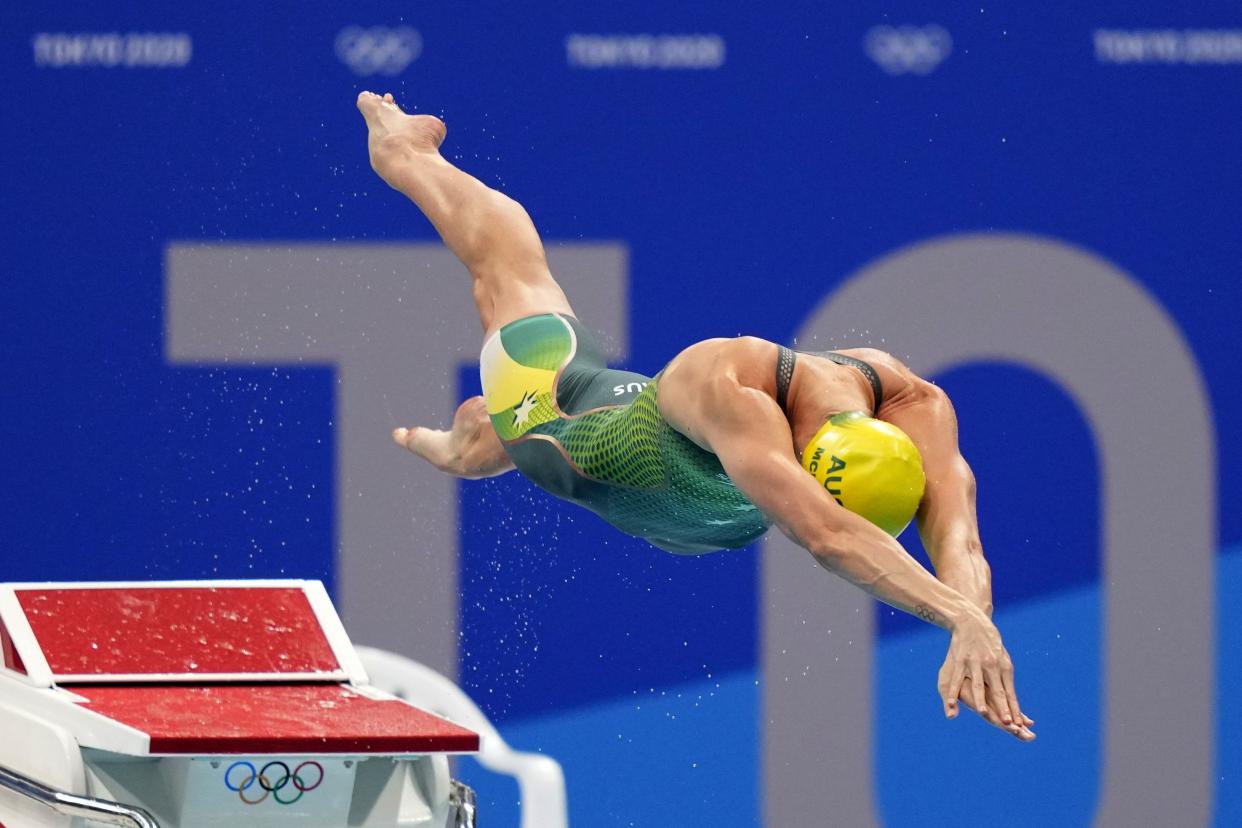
(463, 805)
(71, 805)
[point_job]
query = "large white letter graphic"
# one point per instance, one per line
(396, 321)
(1087, 326)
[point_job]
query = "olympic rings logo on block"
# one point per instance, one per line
(270, 785)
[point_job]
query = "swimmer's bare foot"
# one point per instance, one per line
(394, 137)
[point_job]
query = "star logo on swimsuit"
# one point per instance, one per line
(522, 411)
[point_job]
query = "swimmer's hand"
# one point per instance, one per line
(969, 575)
(470, 449)
(979, 672)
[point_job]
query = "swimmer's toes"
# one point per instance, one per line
(367, 103)
(392, 132)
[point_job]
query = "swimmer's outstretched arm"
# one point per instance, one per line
(750, 434)
(946, 519)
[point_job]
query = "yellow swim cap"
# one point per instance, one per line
(868, 466)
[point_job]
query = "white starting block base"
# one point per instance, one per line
(238, 704)
(192, 793)
(198, 793)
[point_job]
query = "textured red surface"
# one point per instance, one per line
(199, 630)
(8, 654)
(273, 719)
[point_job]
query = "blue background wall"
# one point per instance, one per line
(776, 174)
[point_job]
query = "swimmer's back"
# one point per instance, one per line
(594, 436)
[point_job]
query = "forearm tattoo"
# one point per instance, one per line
(927, 614)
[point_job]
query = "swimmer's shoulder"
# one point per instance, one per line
(747, 360)
(712, 376)
(901, 385)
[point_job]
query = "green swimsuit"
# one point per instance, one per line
(594, 436)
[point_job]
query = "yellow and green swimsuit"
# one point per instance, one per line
(594, 436)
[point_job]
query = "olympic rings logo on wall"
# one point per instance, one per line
(378, 49)
(904, 50)
(272, 785)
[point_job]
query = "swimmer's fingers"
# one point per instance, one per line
(1019, 718)
(999, 711)
(952, 675)
(978, 685)
(404, 437)
(430, 444)
(1021, 732)
(998, 697)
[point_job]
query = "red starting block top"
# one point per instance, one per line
(221, 630)
(211, 631)
(274, 719)
(241, 667)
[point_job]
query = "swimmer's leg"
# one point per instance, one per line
(490, 232)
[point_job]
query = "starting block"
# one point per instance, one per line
(200, 704)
